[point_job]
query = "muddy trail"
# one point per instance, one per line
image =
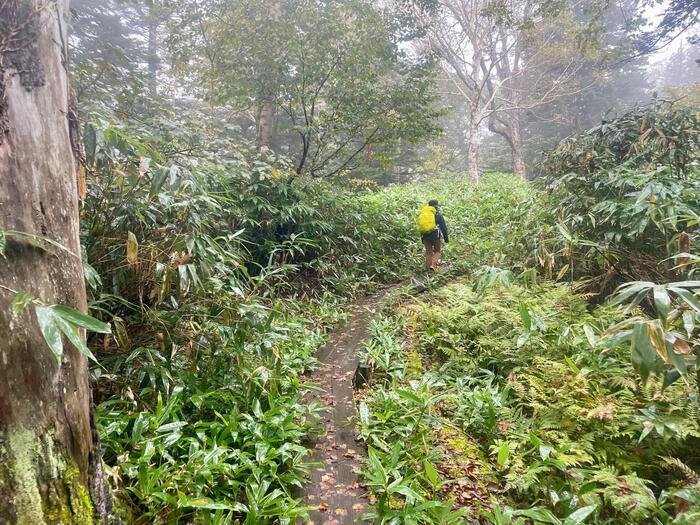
(334, 488)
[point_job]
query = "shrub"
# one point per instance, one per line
(623, 193)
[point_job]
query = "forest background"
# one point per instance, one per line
(308, 90)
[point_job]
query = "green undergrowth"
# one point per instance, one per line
(220, 278)
(523, 411)
(521, 394)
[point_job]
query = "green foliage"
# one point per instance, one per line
(226, 438)
(531, 377)
(332, 72)
(201, 409)
(220, 267)
(219, 278)
(383, 351)
(663, 342)
(623, 192)
(57, 321)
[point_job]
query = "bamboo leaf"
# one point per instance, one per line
(688, 322)
(643, 353)
(525, 316)
(539, 514)
(202, 503)
(80, 319)
(73, 335)
(562, 272)
(671, 377)
(49, 330)
(431, 473)
(565, 233)
(578, 516)
(20, 302)
(159, 178)
(662, 301)
(409, 396)
(590, 334)
(503, 454)
(687, 297)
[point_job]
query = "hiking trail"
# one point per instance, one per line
(334, 486)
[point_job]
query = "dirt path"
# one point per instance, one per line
(334, 486)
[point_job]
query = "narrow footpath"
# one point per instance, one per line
(334, 486)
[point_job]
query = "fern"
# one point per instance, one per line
(689, 475)
(629, 495)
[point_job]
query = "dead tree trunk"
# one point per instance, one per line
(48, 457)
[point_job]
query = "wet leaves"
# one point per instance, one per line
(335, 484)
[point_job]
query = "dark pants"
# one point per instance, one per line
(431, 241)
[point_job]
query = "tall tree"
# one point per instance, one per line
(679, 17)
(607, 82)
(232, 54)
(349, 86)
(505, 58)
(681, 68)
(459, 33)
(115, 54)
(331, 78)
(50, 467)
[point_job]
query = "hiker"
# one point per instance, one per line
(431, 225)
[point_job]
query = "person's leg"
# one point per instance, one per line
(428, 253)
(436, 254)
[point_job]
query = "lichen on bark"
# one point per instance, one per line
(26, 459)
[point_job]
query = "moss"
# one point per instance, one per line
(56, 509)
(461, 448)
(53, 463)
(24, 447)
(464, 447)
(69, 502)
(32, 462)
(75, 506)
(414, 364)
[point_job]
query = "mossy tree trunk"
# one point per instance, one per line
(50, 471)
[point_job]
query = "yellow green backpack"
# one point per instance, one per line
(426, 220)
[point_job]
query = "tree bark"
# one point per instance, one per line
(50, 467)
(517, 149)
(473, 146)
(265, 123)
(266, 111)
(152, 52)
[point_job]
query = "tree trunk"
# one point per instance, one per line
(266, 111)
(516, 143)
(152, 53)
(265, 123)
(50, 467)
(473, 146)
